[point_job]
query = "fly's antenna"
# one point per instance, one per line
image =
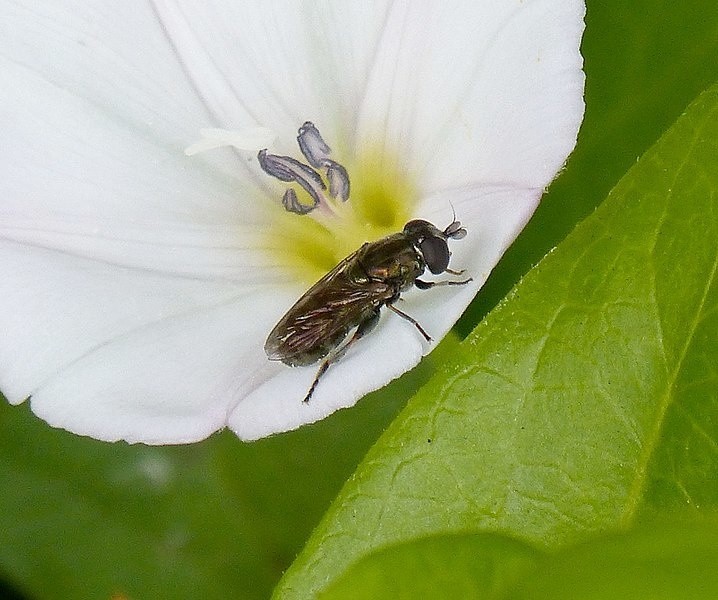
(454, 231)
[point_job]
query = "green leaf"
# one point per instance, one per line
(660, 562)
(665, 561)
(587, 399)
(447, 567)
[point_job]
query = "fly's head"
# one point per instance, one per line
(432, 243)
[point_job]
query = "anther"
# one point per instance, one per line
(338, 181)
(288, 169)
(316, 151)
(312, 145)
(292, 204)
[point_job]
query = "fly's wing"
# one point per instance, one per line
(323, 316)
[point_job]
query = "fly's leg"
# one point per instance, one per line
(363, 328)
(322, 369)
(411, 320)
(425, 285)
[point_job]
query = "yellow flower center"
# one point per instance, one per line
(381, 202)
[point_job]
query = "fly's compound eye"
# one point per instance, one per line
(436, 254)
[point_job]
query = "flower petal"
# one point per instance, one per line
(497, 99)
(111, 53)
(358, 69)
(75, 179)
(56, 308)
(279, 63)
(109, 235)
(173, 381)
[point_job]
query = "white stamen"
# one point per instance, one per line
(250, 139)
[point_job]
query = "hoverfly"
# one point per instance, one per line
(352, 294)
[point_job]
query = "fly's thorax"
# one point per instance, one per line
(393, 260)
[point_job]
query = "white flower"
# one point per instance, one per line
(138, 284)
